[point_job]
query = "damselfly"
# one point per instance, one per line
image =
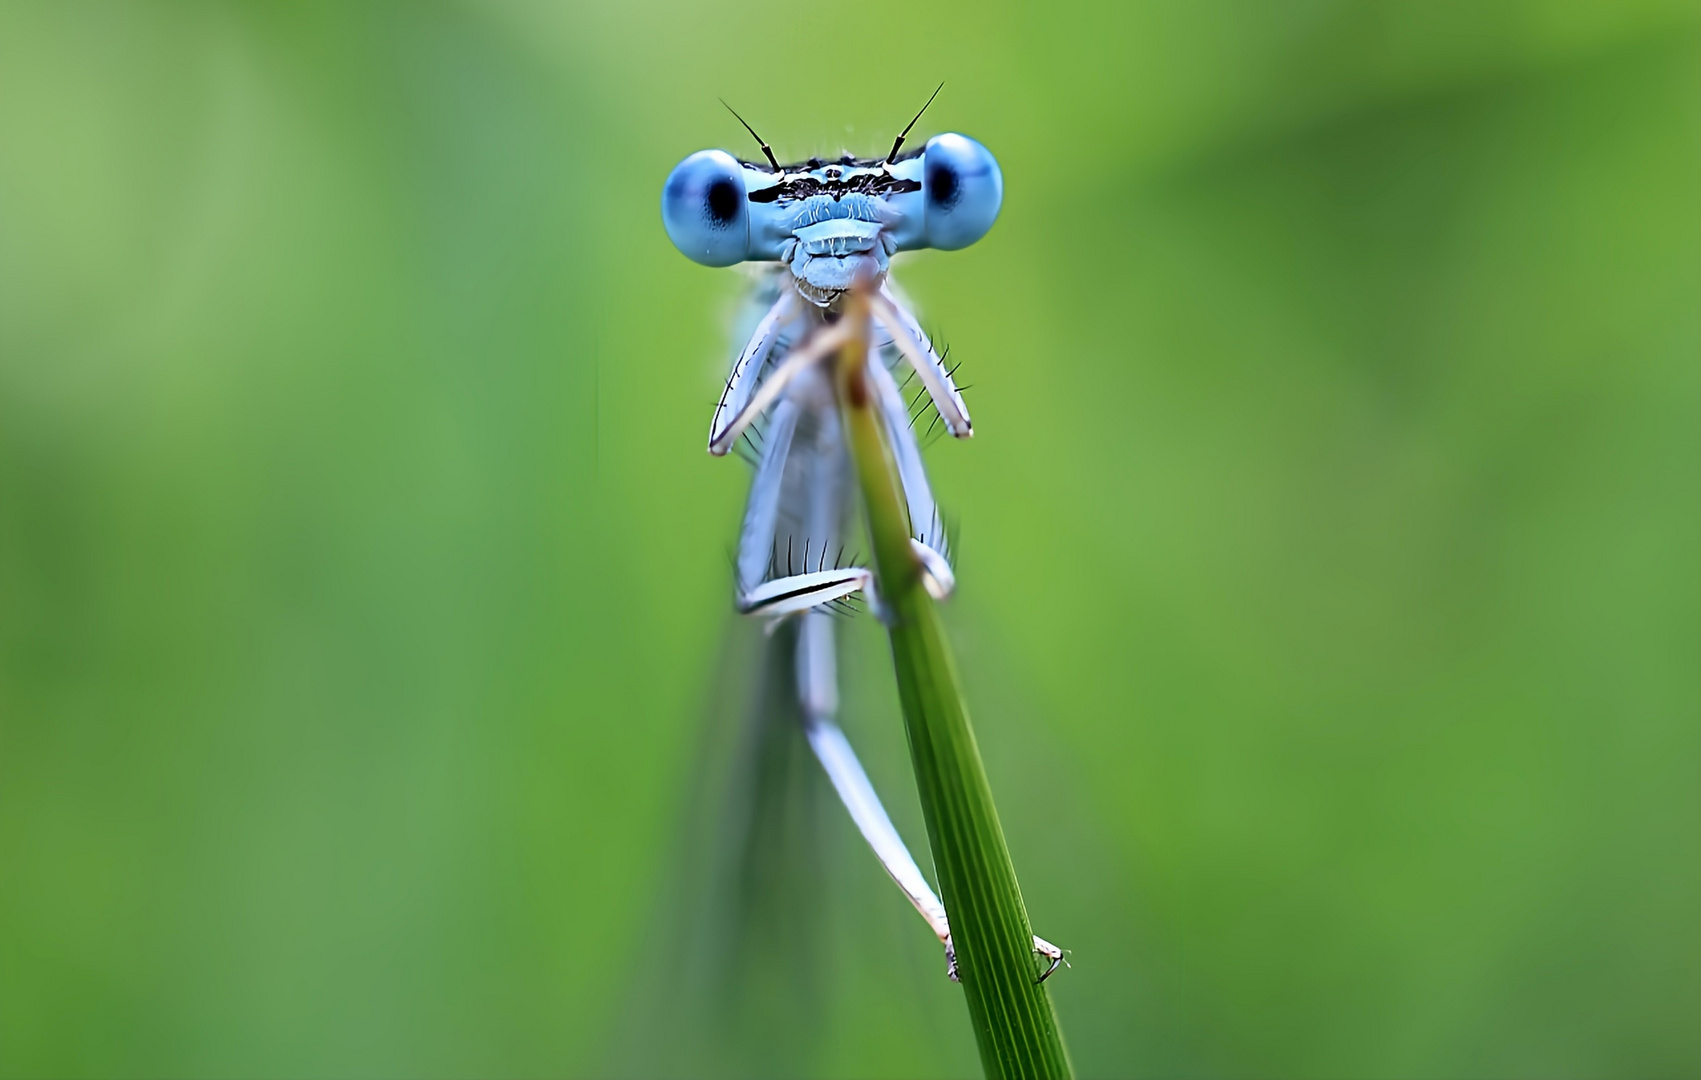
(827, 226)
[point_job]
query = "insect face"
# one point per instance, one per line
(824, 219)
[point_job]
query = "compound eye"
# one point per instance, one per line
(705, 210)
(963, 189)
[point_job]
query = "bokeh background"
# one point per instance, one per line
(1330, 546)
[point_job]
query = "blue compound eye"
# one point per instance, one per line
(705, 210)
(963, 189)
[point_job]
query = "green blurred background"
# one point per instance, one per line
(1330, 559)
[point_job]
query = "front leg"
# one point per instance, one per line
(927, 531)
(811, 351)
(747, 366)
(908, 336)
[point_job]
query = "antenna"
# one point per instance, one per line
(899, 141)
(766, 149)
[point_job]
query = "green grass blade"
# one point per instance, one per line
(1012, 1015)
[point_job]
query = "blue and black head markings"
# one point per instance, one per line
(867, 176)
(830, 221)
(812, 178)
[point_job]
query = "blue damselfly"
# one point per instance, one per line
(826, 227)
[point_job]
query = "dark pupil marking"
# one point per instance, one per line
(942, 189)
(722, 201)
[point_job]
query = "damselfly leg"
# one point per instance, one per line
(908, 336)
(791, 544)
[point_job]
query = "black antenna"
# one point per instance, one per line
(766, 149)
(899, 141)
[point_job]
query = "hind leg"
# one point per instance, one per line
(817, 683)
